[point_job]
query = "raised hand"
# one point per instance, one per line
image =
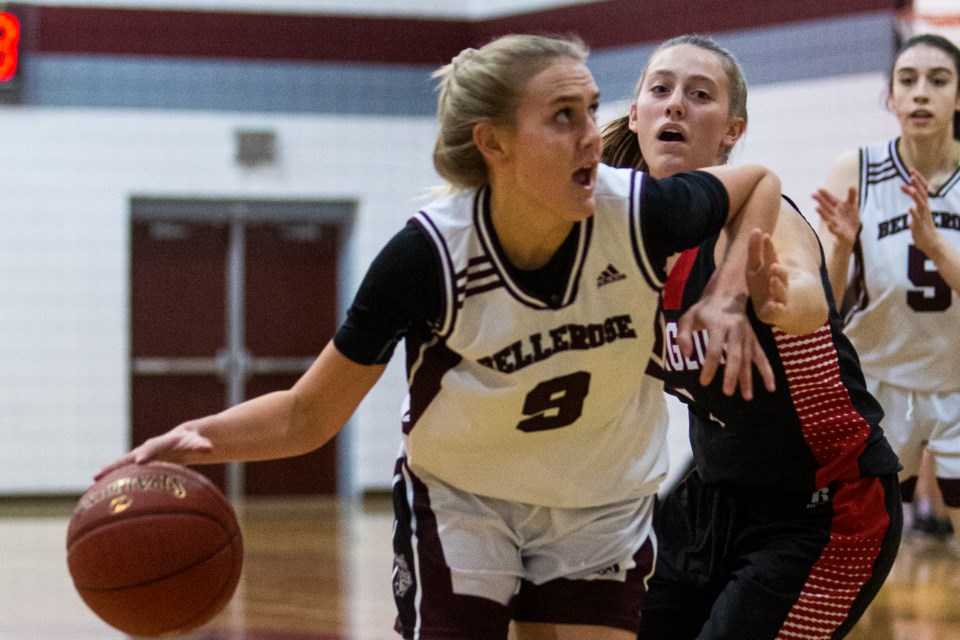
(767, 279)
(925, 234)
(842, 217)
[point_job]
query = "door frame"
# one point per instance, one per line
(237, 212)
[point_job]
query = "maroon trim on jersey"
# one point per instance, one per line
(857, 531)
(655, 363)
(640, 253)
(400, 40)
(508, 276)
(605, 603)
(449, 298)
(677, 280)
(583, 244)
(424, 377)
(480, 268)
(438, 612)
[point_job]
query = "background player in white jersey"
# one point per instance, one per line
(894, 207)
(790, 520)
(527, 300)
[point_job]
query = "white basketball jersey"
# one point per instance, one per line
(545, 403)
(906, 322)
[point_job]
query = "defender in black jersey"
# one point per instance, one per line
(790, 520)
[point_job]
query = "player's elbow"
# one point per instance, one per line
(807, 317)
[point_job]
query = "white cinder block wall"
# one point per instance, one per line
(64, 272)
(798, 128)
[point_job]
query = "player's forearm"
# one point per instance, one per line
(758, 211)
(292, 422)
(262, 428)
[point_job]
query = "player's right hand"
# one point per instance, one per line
(842, 217)
(180, 445)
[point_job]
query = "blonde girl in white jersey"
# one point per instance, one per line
(890, 223)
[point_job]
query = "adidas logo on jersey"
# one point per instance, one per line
(608, 275)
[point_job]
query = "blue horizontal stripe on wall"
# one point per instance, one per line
(53, 80)
(797, 51)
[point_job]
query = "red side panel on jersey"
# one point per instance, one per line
(859, 526)
(832, 427)
(677, 280)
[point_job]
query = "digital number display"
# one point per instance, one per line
(9, 45)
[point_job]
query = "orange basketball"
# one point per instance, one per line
(154, 549)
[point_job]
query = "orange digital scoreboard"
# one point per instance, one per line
(9, 48)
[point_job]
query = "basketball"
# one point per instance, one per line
(154, 549)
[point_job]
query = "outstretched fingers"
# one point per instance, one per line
(767, 279)
(921, 219)
(743, 354)
(730, 341)
(842, 217)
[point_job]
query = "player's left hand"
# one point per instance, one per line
(767, 279)
(925, 234)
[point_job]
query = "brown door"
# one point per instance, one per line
(177, 306)
(229, 301)
(290, 314)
